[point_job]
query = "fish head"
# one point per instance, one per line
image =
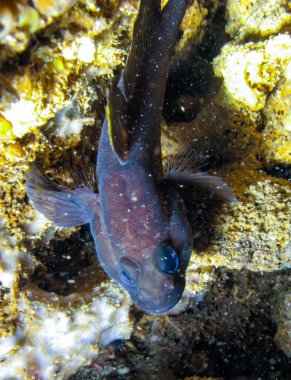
(154, 275)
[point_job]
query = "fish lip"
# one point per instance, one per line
(161, 309)
(158, 306)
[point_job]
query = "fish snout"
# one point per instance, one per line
(158, 302)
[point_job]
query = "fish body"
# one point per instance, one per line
(138, 219)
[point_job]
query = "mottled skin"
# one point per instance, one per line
(138, 219)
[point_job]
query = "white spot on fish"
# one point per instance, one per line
(134, 198)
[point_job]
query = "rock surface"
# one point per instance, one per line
(229, 95)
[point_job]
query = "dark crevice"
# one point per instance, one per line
(62, 261)
(279, 171)
(191, 79)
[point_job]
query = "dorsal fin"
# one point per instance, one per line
(146, 24)
(116, 112)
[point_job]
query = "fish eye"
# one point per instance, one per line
(129, 271)
(166, 259)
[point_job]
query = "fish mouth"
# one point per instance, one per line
(160, 305)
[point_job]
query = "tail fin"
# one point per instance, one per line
(63, 207)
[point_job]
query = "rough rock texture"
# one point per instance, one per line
(257, 77)
(51, 109)
(228, 95)
(227, 335)
(257, 19)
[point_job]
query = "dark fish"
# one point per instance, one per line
(138, 219)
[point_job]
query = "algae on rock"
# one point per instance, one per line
(257, 19)
(51, 110)
(49, 96)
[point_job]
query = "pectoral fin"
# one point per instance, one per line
(185, 170)
(116, 112)
(63, 207)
